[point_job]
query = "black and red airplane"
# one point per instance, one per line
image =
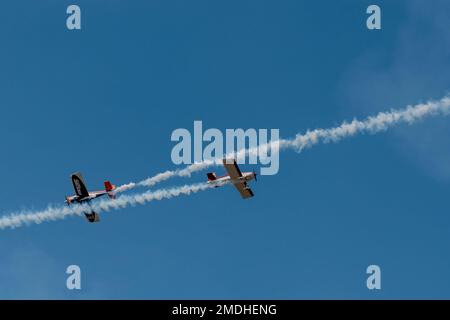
(82, 195)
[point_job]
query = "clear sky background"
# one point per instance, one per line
(105, 100)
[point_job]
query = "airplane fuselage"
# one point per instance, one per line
(82, 195)
(246, 176)
(79, 199)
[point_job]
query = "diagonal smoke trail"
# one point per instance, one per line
(381, 122)
(16, 220)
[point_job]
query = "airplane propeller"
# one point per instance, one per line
(255, 174)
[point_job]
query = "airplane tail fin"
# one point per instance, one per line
(109, 188)
(211, 176)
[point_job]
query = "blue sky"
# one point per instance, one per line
(105, 100)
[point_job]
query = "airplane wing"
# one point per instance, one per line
(79, 186)
(92, 217)
(244, 190)
(232, 168)
(234, 172)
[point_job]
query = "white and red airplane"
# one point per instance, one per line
(234, 176)
(83, 195)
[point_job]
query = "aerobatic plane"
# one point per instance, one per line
(235, 176)
(82, 195)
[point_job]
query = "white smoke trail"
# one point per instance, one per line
(16, 220)
(382, 121)
(163, 176)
